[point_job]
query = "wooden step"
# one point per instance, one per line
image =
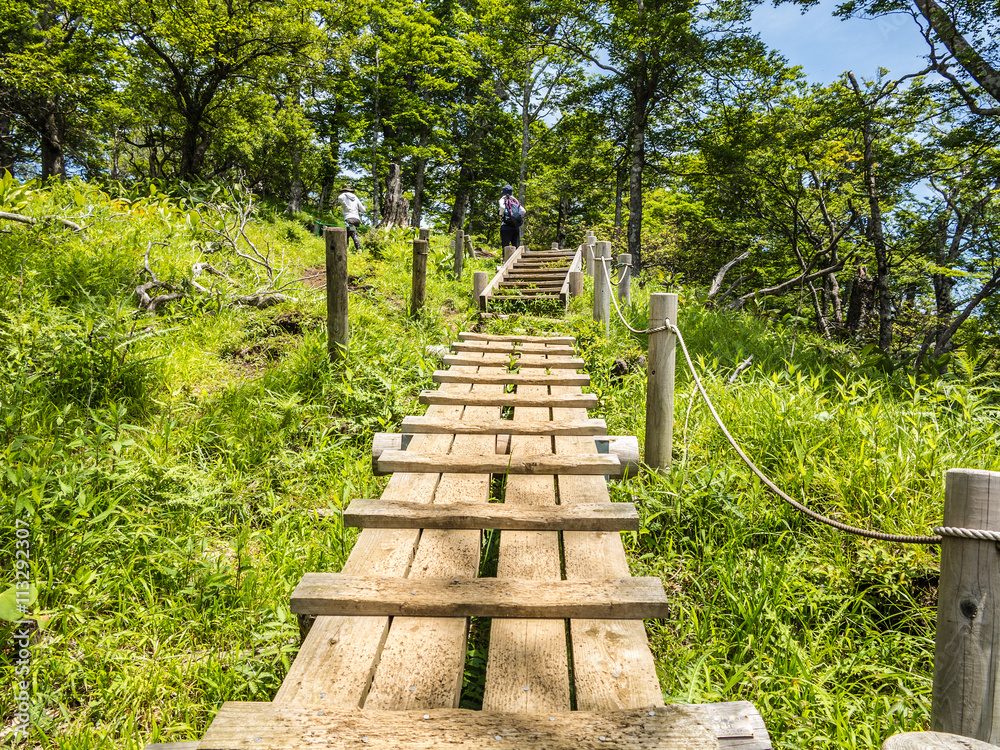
(498, 348)
(525, 297)
(511, 378)
(534, 276)
(441, 425)
(452, 360)
(363, 596)
(522, 284)
(411, 462)
(472, 336)
(265, 726)
(573, 400)
(387, 514)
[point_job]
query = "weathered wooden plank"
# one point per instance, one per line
(372, 596)
(511, 378)
(482, 346)
(422, 662)
(453, 360)
(409, 461)
(543, 426)
(473, 336)
(612, 664)
(527, 296)
(553, 284)
(579, 400)
(334, 667)
(527, 669)
(934, 741)
(501, 274)
(386, 514)
(263, 726)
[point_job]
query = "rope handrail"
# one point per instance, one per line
(819, 517)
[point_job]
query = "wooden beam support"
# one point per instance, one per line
(483, 346)
(510, 378)
(576, 400)
(386, 514)
(372, 596)
(439, 425)
(264, 726)
(416, 463)
(496, 361)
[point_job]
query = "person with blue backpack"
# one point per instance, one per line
(511, 218)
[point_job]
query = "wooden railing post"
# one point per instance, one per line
(588, 256)
(425, 234)
(459, 252)
(625, 278)
(660, 383)
(479, 281)
(418, 289)
(337, 325)
(967, 645)
(602, 285)
(507, 252)
(555, 245)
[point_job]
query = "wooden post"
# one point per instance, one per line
(967, 645)
(459, 252)
(419, 285)
(660, 383)
(588, 256)
(479, 281)
(576, 283)
(469, 249)
(337, 326)
(555, 245)
(602, 285)
(507, 252)
(425, 234)
(625, 278)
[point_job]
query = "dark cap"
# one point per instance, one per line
(506, 190)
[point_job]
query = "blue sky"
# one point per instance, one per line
(825, 46)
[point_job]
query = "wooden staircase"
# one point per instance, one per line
(568, 665)
(529, 276)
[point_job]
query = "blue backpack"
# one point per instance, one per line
(513, 211)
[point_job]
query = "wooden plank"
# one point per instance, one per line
(373, 596)
(527, 668)
(473, 336)
(934, 741)
(500, 276)
(543, 426)
(335, 664)
(452, 360)
(389, 514)
(554, 284)
(423, 660)
(479, 346)
(411, 462)
(524, 297)
(737, 725)
(612, 664)
(510, 378)
(579, 400)
(264, 726)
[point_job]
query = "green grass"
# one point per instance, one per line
(169, 464)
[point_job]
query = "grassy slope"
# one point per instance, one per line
(169, 480)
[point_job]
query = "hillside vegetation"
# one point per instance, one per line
(168, 463)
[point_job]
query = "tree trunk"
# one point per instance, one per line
(562, 218)
(194, 144)
(52, 157)
(6, 152)
(418, 185)
(859, 308)
(635, 174)
(397, 209)
(619, 191)
(522, 176)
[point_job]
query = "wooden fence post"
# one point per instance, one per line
(425, 234)
(576, 283)
(479, 281)
(588, 256)
(418, 289)
(555, 245)
(459, 252)
(602, 285)
(660, 383)
(469, 249)
(625, 278)
(507, 252)
(337, 325)
(967, 645)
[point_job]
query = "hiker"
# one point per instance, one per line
(511, 218)
(352, 208)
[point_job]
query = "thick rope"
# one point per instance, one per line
(868, 533)
(979, 534)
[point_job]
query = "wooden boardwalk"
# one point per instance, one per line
(534, 275)
(568, 663)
